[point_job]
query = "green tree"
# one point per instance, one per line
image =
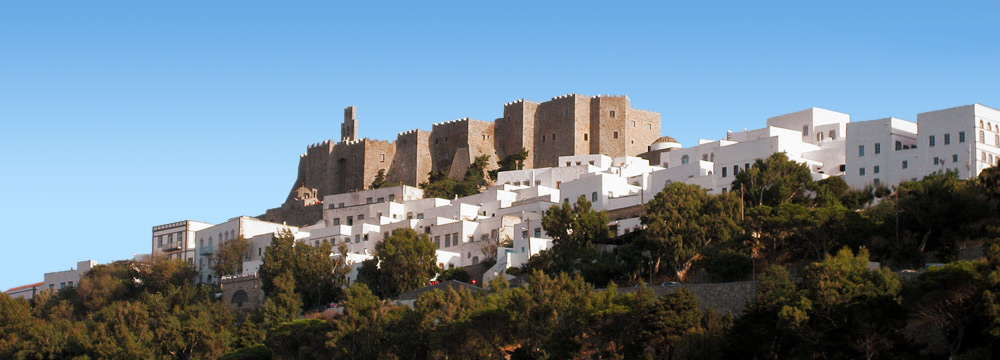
(947, 299)
(774, 181)
(402, 262)
(229, 257)
(683, 220)
(939, 211)
(510, 162)
(457, 274)
(574, 229)
(300, 339)
(439, 185)
(318, 277)
(282, 303)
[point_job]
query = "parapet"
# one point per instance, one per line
(456, 121)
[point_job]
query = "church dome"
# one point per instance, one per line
(665, 143)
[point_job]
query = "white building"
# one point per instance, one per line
(211, 237)
(68, 278)
(965, 139)
(176, 240)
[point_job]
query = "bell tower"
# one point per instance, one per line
(349, 129)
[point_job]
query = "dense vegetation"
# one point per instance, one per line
(808, 245)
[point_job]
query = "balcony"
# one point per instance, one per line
(208, 250)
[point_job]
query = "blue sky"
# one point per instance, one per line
(120, 115)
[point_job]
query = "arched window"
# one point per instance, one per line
(833, 135)
(980, 124)
(819, 136)
(684, 159)
(593, 196)
(220, 236)
(982, 137)
(984, 156)
(240, 297)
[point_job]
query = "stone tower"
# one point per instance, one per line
(349, 129)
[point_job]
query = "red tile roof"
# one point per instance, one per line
(25, 287)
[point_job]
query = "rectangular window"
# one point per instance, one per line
(357, 239)
(437, 241)
(593, 196)
(612, 113)
(861, 150)
(543, 138)
(586, 136)
(877, 183)
(724, 169)
(878, 148)
(566, 112)
(906, 164)
(961, 136)
(614, 134)
(392, 197)
(937, 160)
(381, 200)
(538, 232)
(736, 169)
(954, 158)
(454, 238)
(553, 136)
(381, 157)
(336, 221)
(649, 126)
(361, 216)
(947, 139)
(633, 123)
(447, 240)
(931, 139)
(350, 220)
(875, 169)
(368, 201)
(524, 234)
(861, 171)
(420, 216)
(805, 130)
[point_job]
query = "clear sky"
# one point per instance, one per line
(121, 115)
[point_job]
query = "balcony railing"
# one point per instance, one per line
(207, 250)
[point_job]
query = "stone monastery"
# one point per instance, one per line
(598, 147)
(566, 125)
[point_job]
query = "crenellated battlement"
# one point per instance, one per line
(565, 96)
(450, 122)
(351, 163)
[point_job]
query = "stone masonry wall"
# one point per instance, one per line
(571, 124)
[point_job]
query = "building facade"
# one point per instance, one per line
(176, 240)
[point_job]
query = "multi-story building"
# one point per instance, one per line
(26, 292)
(210, 238)
(176, 240)
(68, 278)
(964, 139)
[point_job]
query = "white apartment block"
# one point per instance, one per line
(54, 281)
(965, 139)
(176, 240)
(211, 237)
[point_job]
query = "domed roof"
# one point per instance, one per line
(665, 139)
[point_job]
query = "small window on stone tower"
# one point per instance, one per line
(615, 135)
(553, 136)
(649, 126)
(612, 113)
(586, 136)
(566, 112)
(633, 123)
(381, 158)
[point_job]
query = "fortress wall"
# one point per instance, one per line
(446, 138)
(642, 134)
(412, 160)
(348, 164)
(482, 136)
(557, 116)
(605, 125)
(315, 169)
(516, 130)
(378, 155)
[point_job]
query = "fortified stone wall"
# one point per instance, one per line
(516, 130)
(571, 124)
(412, 160)
(242, 292)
